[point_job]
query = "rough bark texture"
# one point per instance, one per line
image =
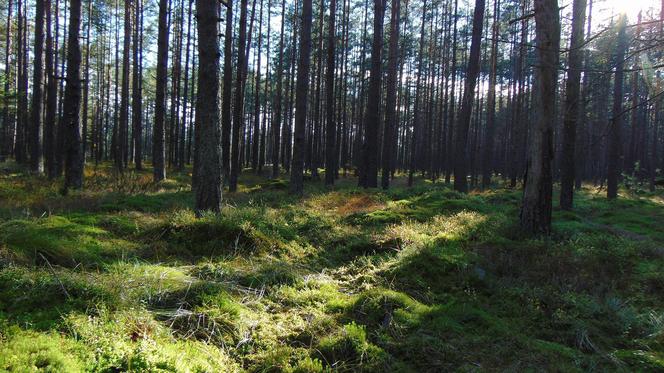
(573, 89)
(331, 125)
(276, 125)
(461, 156)
(137, 96)
(535, 214)
(72, 103)
(209, 184)
(36, 133)
(487, 164)
(226, 114)
(238, 110)
(391, 99)
(301, 91)
(158, 133)
(615, 127)
(372, 113)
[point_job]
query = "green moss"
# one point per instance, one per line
(61, 241)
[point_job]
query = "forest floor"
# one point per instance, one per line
(123, 277)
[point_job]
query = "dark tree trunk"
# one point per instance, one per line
(391, 99)
(461, 153)
(50, 131)
(331, 125)
(209, 183)
(372, 113)
(226, 114)
(536, 207)
(158, 134)
(36, 125)
(615, 129)
(238, 109)
(257, 92)
(7, 119)
(183, 121)
(302, 90)
(487, 164)
(137, 94)
(72, 104)
(573, 88)
(276, 124)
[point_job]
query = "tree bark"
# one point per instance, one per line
(238, 110)
(572, 98)
(331, 125)
(372, 113)
(209, 183)
(535, 214)
(302, 90)
(391, 99)
(158, 135)
(72, 104)
(615, 127)
(36, 133)
(461, 156)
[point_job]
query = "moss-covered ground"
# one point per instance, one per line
(123, 277)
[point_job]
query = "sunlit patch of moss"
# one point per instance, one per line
(61, 241)
(132, 341)
(29, 351)
(349, 349)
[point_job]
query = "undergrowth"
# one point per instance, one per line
(124, 277)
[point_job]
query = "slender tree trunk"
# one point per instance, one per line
(238, 109)
(536, 207)
(36, 133)
(158, 135)
(50, 130)
(137, 94)
(7, 123)
(331, 125)
(487, 164)
(183, 140)
(372, 114)
(86, 86)
(461, 156)
(572, 98)
(226, 114)
(302, 90)
(209, 183)
(391, 99)
(615, 129)
(257, 91)
(72, 105)
(276, 124)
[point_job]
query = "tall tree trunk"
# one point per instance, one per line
(226, 114)
(72, 104)
(86, 87)
(209, 183)
(21, 89)
(257, 92)
(331, 125)
(276, 124)
(50, 130)
(372, 114)
(7, 122)
(137, 94)
(238, 109)
(183, 140)
(572, 98)
(391, 99)
(158, 135)
(536, 207)
(615, 129)
(36, 133)
(487, 164)
(461, 156)
(302, 90)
